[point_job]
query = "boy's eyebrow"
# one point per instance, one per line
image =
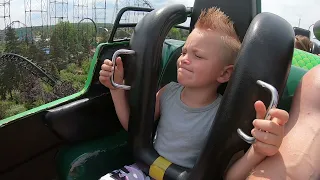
(193, 49)
(197, 50)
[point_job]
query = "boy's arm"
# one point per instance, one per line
(122, 106)
(268, 134)
(158, 109)
(242, 167)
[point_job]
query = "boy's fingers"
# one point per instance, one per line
(279, 116)
(105, 73)
(107, 67)
(260, 109)
(267, 138)
(267, 149)
(269, 126)
(107, 62)
(103, 78)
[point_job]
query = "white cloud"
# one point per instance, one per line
(308, 11)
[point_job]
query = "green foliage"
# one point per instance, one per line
(104, 36)
(179, 34)
(36, 54)
(76, 75)
(3, 108)
(38, 102)
(62, 42)
(15, 109)
(174, 34)
(12, 43)
(2, 47)
(47, 88)
(68, 61)
(9, 108)
(9, 79)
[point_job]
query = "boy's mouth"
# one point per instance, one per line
(180, 68)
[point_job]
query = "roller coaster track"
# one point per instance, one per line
(148, 4)
(23, 62)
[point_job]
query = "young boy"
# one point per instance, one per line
(186, 109)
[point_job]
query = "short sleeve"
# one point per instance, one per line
(168, 92)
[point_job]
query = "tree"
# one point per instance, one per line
(57, 51)
(9, 79)
(104, 36)
(43, 42)
(174, 34)
(36, 55)
(179, 34)
(63, 44)
(12, 43)
(9, 75)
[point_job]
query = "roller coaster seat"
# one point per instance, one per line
(91, 160)
(315, 49)
(146, 72)
(301, 31)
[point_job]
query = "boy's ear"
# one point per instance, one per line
(225, 74)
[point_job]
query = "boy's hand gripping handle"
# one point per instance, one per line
(114, 57)
(273, 104)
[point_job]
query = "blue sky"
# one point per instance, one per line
(308, 11)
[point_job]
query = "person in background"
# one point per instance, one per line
(303, 43)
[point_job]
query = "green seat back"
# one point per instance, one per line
(294, 78)
(170, 54)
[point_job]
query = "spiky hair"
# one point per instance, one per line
(217, 21)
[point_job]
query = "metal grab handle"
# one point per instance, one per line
(273, 103)
(114, 57)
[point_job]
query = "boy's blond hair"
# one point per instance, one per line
(217, 21)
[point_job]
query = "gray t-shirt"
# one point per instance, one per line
(182, 131)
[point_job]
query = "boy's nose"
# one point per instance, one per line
(185, 61)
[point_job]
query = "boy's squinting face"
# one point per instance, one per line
(200, 63)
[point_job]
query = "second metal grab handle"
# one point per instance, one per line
(273, 104)
(114, 57)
